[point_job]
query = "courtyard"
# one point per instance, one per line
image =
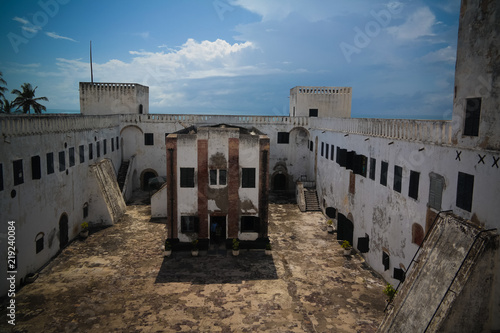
(117, 280)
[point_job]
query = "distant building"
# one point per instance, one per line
(323, 102)
(217, 184)
(99, 98)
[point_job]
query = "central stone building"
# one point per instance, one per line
(218, 186)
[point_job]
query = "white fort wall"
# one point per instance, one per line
(388, 216)
(39, 205)
(385, 215)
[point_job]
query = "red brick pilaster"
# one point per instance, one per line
(202, 188)
(263, 185)
(233, 215)
(171, 145)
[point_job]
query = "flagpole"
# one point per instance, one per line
(91, 72)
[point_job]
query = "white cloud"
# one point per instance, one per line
(447, 54)
(312, 10)
(57, 36)
(21, 20)
(143, 35)
(419, 24)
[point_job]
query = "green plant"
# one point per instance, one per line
(84, 226)
(390, 292)
(194, 245)
(268, 246)
(168, 246)
(236, 244)
(346, 245)
(329, 222)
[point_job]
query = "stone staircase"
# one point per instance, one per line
(311, 200)
(122, 174)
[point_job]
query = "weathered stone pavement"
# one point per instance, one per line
(118, 281)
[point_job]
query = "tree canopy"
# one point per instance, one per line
(26, 99)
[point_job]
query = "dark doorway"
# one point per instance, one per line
(279, 182)
(63, 231)
(145, 179)
(217, 230)
(345, 228)
(331, 212)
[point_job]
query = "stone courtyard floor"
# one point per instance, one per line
(118, 281)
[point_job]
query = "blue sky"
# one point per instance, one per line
(238, 56)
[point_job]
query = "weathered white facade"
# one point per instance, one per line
(97, 98)
(324, 102)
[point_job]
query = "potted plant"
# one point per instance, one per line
(347, 247)
(84, 232)
(168, 249)
(329, 226)
(268, 249)
(194, 248)
(390, 292)
(236, 247)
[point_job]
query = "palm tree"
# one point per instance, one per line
(2, 89)
(26, 99)
(8, 107)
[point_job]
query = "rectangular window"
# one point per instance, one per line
(104, 146)
(222, 177)
(91, 152)
(36, 167)
(250, 224)
(436, 191)
(465, 190)
(148, 139)
(98, 148)
(112, 144)
(39, 243)
(383, 173)
(62, 161)
(187, 177)
(385, 260)
(71, 156)
(81, 151)
(313, 112)
(349, 164)
(360, 165)
(1, 177)
(117, 144)
(331, 152)
(189, 224)
(341, 156)
(472, 116)
(220, 180)
(18, 172)
(414, 182)
(311, 146)
(327, 149)
(322, 148)
(248, 177)
(283, 137)
(398, 178)
(50, 163)
(373, 165)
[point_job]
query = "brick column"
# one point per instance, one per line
(171, 144)
(263, 185)
(202, 188)
(233, 215)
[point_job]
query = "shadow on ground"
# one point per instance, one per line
(182, 267)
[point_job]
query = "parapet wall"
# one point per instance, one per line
(113, 98)
(327, 101)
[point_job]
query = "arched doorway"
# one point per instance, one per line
(345, 228)
(63, 231)
(331, 212)
(279, 182)
(146, 175)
